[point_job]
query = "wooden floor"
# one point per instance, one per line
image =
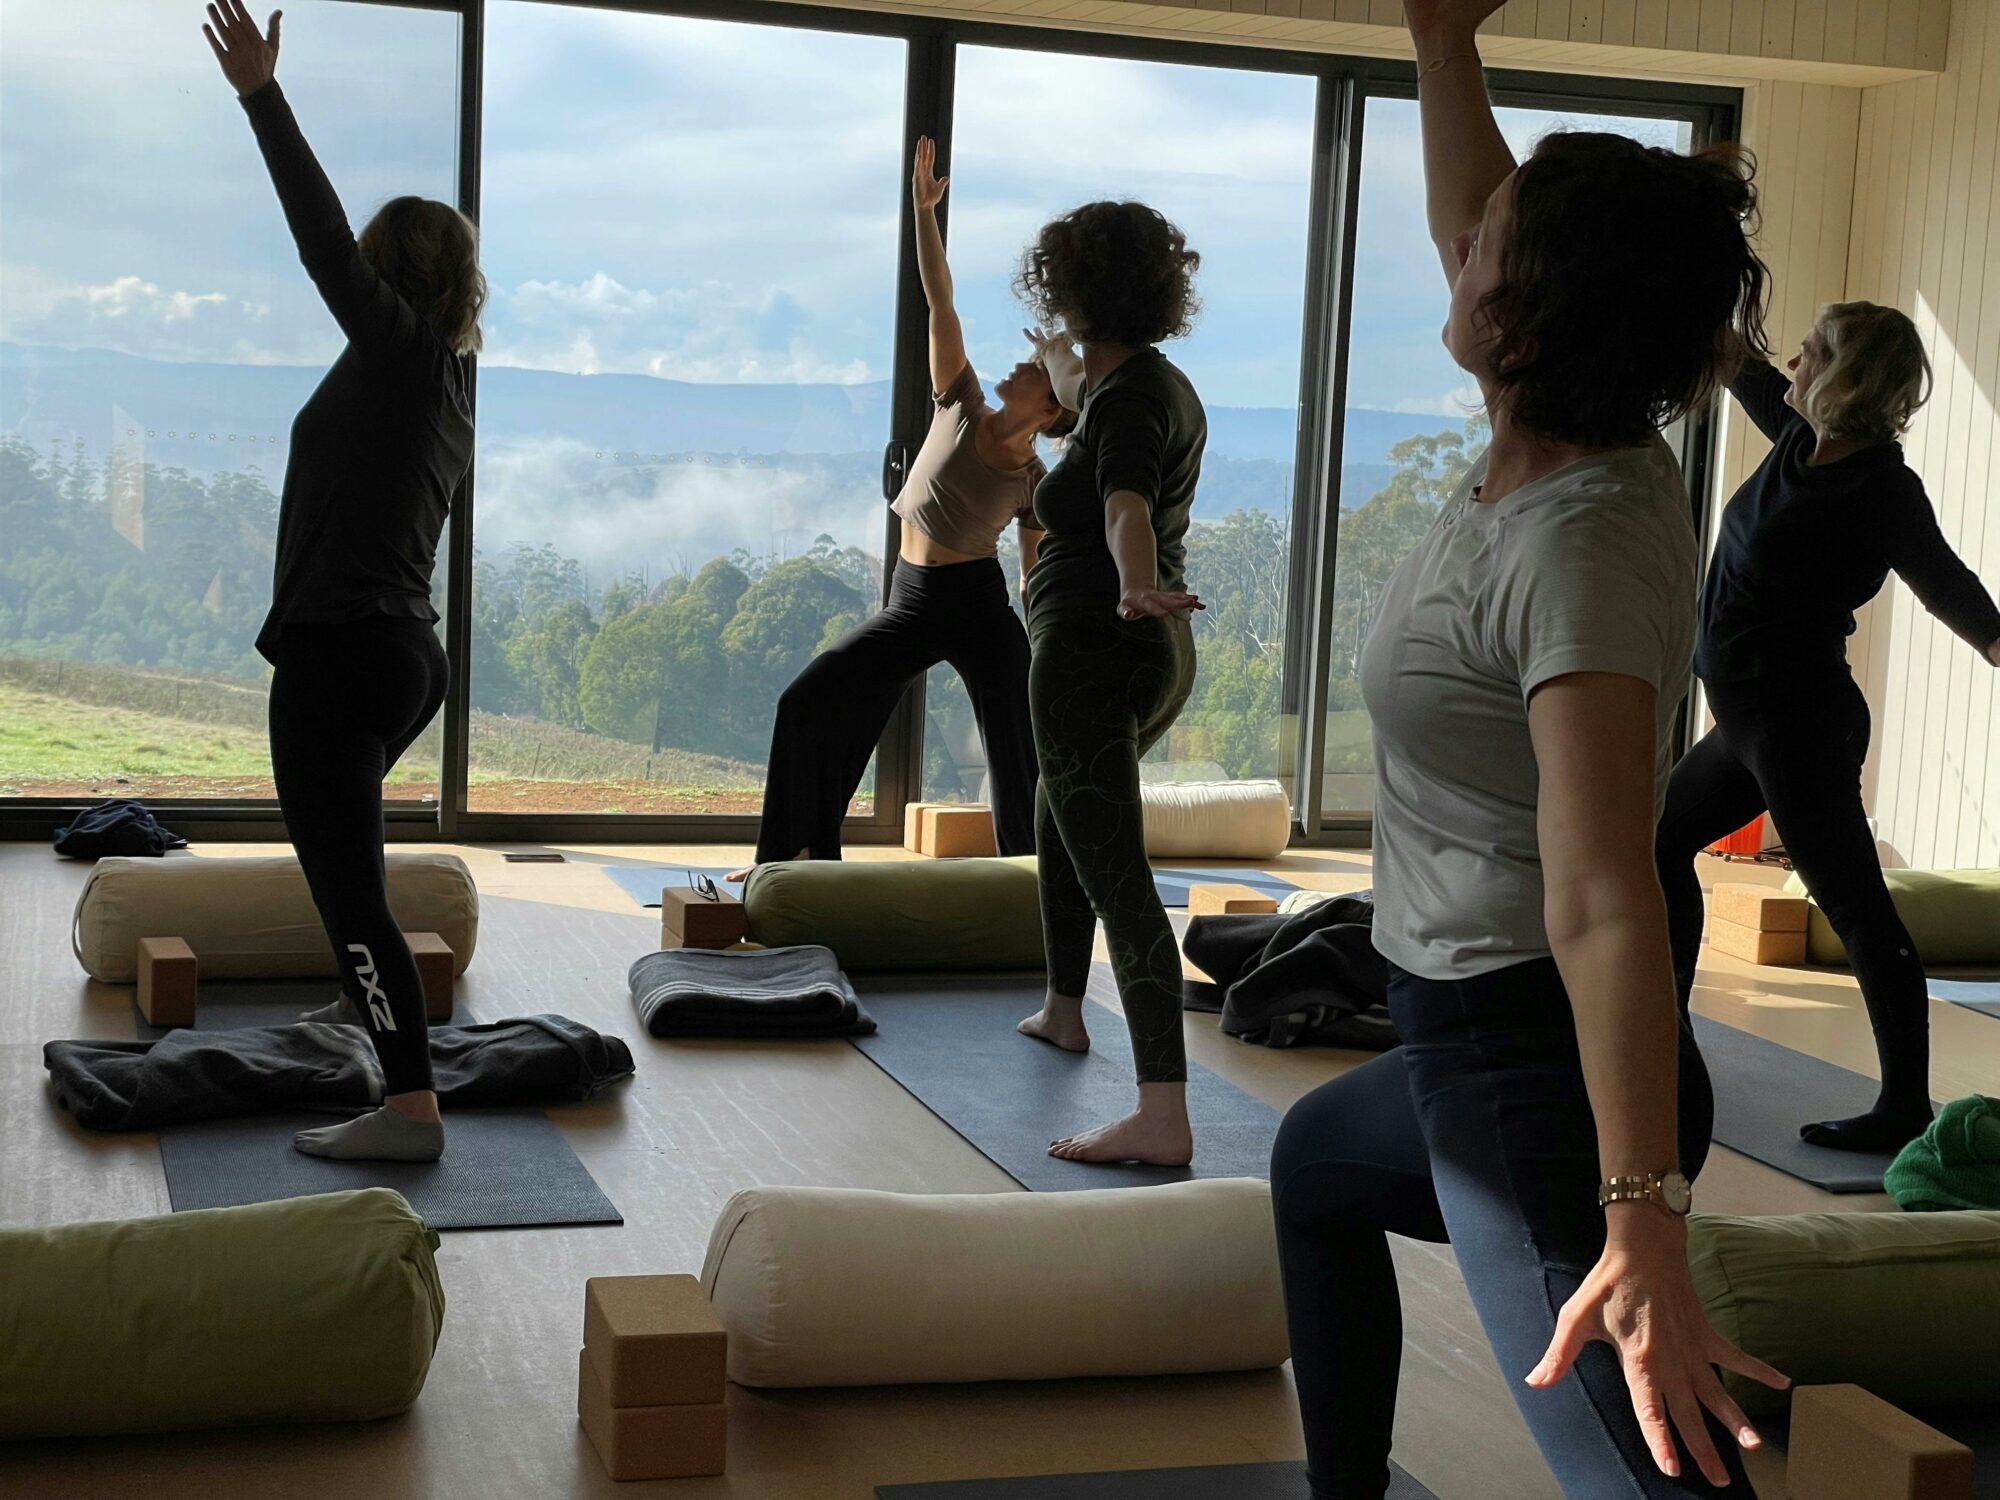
(701, 1120)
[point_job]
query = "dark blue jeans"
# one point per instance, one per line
(1477, 1130)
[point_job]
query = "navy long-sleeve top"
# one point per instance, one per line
(1803, 546)
(382, 442)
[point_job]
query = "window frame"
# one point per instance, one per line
(1344, 85)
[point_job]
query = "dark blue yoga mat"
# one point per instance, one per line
(950, 1040)
(1174, 883)
(1982, 995)
(1765, 1092)
(1282, 1481)
(643, 883)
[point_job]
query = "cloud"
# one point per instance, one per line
(711, 331)
(1461, 403)
(34, 295)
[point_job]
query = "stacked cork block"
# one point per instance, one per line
(1846, 1444)
(650, 1377)
(1757, 924)
(949, 830)
(688, 919)
(1231, 900)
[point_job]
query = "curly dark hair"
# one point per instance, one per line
(1626, 281)
(1116, 273)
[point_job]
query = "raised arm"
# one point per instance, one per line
(1937, 575)
(1759, 388)
(374, 318)
(946, 337)
(1465, 156)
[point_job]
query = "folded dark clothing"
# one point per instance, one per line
(773, 992)
(203, 1075)
(1306, 976)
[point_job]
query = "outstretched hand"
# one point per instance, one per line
(926, 187)
(1641, 1300)
(1436, 15)
(249, 58)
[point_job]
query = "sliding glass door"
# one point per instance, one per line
(690, 229)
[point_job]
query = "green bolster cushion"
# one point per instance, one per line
(902, 914)
(321, 1309)
(1905, 1305)
(1954, 916)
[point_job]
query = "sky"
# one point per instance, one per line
(696, 200)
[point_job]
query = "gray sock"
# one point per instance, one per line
(343, 1012)
(386, 1135)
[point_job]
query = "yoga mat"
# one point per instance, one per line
(643, 883)
(950, 1040)
(1982, 995)
(1285, 1481)
(225, 1004)
(1765, 1092)
(1174, 883)
(502, 1168)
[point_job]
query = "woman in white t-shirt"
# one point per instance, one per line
(1547, 1104)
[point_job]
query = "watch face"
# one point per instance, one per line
(1676, 1192)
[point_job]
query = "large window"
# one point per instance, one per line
(690, 231)
(1413, 421)
(1227, 155)
(157, 336)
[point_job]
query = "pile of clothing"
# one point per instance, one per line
(1309, 973)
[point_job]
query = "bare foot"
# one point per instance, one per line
(1060, 1020)
(1156, 1139)
(737, 877)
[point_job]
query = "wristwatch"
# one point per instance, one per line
(1670, 1190)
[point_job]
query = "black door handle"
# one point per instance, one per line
(895, 467)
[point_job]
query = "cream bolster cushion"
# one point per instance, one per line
(1905, 1305)
(901, 914)
(253, 917)
(1216, 819)
(320, 1309)
(834, 1286)
(1953, 915)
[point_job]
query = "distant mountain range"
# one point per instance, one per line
(222, 416)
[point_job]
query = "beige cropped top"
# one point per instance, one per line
(953, 496)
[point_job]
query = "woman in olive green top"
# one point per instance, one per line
(1113, 662)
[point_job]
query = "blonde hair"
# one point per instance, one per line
(429, 252)
(1874, 375)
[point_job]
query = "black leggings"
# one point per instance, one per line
(1477, 1130)
(1105, 691)
(1794, 747)
(832, 715)
(346, 701)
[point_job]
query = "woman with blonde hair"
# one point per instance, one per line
(377, 451)
(1808, 539)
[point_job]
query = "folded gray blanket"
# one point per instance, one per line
(775, 992)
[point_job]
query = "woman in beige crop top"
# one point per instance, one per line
(974, 476)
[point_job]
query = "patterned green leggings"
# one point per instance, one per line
(1102, 692)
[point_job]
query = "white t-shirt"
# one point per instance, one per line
(1593, 568)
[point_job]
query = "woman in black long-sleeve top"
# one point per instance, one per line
(377, 451)
(1809, 539)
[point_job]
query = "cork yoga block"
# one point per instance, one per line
(958, 833)
(1752, 946)
(1219, 900)
(169, 977)
(435, 964)
(1759, 907)
(913, 824)
(1846, 1444)
(649, 1442)
(689, 919)
(654, 1340)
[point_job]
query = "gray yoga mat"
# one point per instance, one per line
(950, 1040)
(225, 1004)
(1982, 995)
(502, 1168)
(643, 883)
(1765, 1092)
(1282, 1481)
